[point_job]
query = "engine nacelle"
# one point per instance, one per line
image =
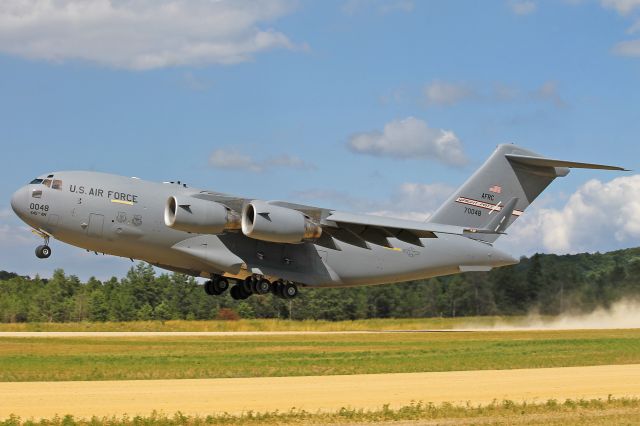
(266, 222)
(199, 216)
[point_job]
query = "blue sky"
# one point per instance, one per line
(369, 106)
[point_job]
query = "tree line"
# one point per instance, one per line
(550, 284)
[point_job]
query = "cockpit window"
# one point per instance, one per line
(49, 183)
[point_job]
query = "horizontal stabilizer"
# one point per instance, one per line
(548, 162)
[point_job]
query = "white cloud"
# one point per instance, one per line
(443, 93)
(412, 201)
(549, 92)
(231, 159)
(415, 201)
(141, 34)
(623, 7)
(522, 7)
(197, 84)
(12, 235)
(598, 216)
(447, 93)
(410, 138)
(627, 48)
(352, 7)
(421, 196)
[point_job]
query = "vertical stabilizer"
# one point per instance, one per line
(510, 179)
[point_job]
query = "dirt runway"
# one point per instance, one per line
(313, 393)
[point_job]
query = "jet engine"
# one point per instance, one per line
(266, 222)
(199, 216)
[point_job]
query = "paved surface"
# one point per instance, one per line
(313, 393)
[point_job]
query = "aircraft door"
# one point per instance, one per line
(96, 223)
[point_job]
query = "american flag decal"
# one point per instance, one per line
(496, 189)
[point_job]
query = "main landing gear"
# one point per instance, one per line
(259, 285)
(43, 251)
(216, 286)
(249, 286)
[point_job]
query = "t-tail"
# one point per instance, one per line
(500, 191)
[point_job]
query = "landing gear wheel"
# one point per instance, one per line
(262, 286)
(246, 285)
(43, 252)
(289, 291)
(208, 288)
(275, 287)
(280, 290)
(219, 285)
(236, 292)
(244, 294)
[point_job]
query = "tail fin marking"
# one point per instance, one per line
(510, 179)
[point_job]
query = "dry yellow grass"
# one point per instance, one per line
(269, 325)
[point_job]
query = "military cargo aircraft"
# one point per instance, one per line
(274, 246)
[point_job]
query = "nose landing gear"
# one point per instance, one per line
(43, 251)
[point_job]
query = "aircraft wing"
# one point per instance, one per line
(360, 229)
(357, 229)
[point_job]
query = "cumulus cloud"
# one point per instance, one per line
(11, 231)
(627, 48)
(412, 201)
(443, 93)
(598, 216)
(447, 93)
(415, 201)
(197, 84)
(410, 138)
(421, 196)
(549, 92)
(232, 159)
(522, 7)
(352, 7)
(141, 34)
(10, 235)
(630, 48)
(623, 7)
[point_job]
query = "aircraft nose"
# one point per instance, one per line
(19, 201)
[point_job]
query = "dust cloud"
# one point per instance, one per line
(623, 314)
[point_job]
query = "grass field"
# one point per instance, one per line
(272, 325)
(570, 412)
(116, 358)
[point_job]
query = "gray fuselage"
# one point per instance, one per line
(123, 216)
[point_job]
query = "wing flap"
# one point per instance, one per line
(363, 229)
